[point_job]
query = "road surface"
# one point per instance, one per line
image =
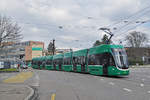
(59, 85)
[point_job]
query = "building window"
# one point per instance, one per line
(22, 49)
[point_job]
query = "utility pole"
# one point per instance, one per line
(53, 46)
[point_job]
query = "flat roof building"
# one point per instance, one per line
(23, 51)
(138, 54)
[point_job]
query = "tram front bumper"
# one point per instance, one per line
(113, 71)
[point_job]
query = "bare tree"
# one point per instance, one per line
(136, 39)
(9, 31)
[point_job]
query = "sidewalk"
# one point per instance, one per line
(14, 92)
(140, 66)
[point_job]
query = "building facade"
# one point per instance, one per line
(22, 51)
(57, 51)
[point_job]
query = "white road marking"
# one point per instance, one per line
(128, 90)
(141, 85)
(36, 83)
(148, 91)
(102, 79)
(111, 83)
(143, 79)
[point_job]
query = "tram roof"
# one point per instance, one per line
(67, 54)
(49, 57)
(58, 56)
(103, 48)
(80, 52)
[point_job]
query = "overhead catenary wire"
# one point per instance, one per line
(123, 33)
(47, 25)
(134, 21)
(135, 14)
(143, 22)
(123, 28)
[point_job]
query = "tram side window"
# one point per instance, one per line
(75, 60)
(111, 61)
(82, 58)
(61, 61)
(33, 62)
(58, 61)
(54, 62)
(39, 63)
(108, 59)
(49, 62)
(96, 59)
(67, 61)
(64, 61)
(91, 60)
(43, 63)
(99, 59)
(79, 60)
(70, 61)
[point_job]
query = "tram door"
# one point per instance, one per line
(82, 64)
(59, 66)
(39, 63)
(74, 64)
(105, 63)
(74, 67)
(83, 67)
(54, 65)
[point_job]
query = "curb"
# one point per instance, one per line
(139, 67)
(30, 96)
(8, 71)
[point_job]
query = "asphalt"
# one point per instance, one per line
(61, 85)
(13, 92)
(13, 87)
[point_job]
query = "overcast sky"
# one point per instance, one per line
(75, 23)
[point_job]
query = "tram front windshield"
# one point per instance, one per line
(120, 57)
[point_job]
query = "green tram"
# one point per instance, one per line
(106, 59)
